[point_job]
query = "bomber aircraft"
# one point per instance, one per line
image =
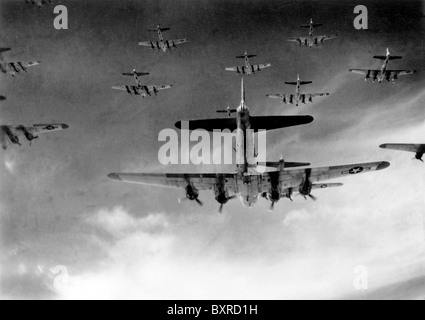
(12, 133)
(139, 89)
(312, 40)
(298, 97)
(162, 44)
(248, 68)
(418, 149)
(247, 182)
(14, 68)
(384, 73)
(39, 3)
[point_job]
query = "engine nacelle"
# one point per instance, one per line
(14, 139)
(310, 99)
(192, 193)
(306, 188)
(419, 156)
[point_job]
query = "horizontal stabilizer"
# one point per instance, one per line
(257, 123)
(302, 83)
(160, 29)
(248, 56)
(139, 74)
(307, 26)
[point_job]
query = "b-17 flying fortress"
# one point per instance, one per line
(162, 44)
(312, 40)
(14, 67)
(298, 97)
(248, 183)
(12, 133)
(384, 73)
(249, 69)
(39, 3)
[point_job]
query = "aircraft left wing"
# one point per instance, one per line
(297, 40)
(294, 178)
(199, 181)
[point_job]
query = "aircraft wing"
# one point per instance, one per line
(400, 72)
(416, 148)
(325, 38)
(29, 64)
(262, 66)
(369, 73)
(179, 41)
(276, 96)
(317, 95)
(294, 178)
(44, 128)
(257, 123)
(297, 40)
(200, 181)
(146, 44)
(158, 87)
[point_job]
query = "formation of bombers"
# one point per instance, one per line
(251, 179)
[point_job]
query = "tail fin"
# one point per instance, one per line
(242, 92)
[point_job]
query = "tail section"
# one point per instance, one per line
(242, 93)
(388, 56)
(246, 56)
(159, 29)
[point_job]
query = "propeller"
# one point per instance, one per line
(272, 206)
(222, 205)
(201, 204)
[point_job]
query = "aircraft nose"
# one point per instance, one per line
(65, 126)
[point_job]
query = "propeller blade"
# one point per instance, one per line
(312, 197)
(199, 202)
(221, 209)
(272, 206)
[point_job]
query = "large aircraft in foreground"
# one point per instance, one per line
(13, 133)
(140, 89)
(298, 97)
(162, 44)
(384, 73)
(418, 149)
(39, 3)
(247, 182)
(14, 68)
(248, 68)
(312, 40)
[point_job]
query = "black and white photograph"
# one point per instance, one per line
(193, 151)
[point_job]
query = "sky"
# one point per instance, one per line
(68, 232)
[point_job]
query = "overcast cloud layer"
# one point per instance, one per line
(58, 208)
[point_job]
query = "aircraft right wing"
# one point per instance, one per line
(177, 42)
(398, 73)
(294, 178)
(22, 66)
(257, 123)
(416, 148)
(325, 38)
